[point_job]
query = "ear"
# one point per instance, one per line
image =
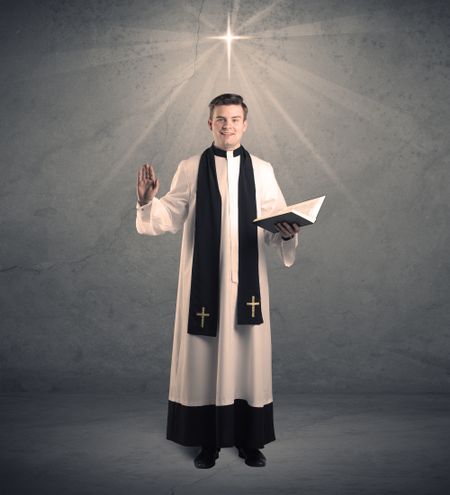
(244, 127)
(210, 124)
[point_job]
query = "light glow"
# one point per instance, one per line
(228, 38)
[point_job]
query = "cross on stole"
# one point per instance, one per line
(253, 304)
(202, 315)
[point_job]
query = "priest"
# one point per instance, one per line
(220, 391)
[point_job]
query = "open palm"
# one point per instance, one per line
(147, 184)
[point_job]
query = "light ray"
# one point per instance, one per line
(235, 11)
(167, 97)
(60, 63)
(259, 16)
(311, 148)
(264, 135)
(304, 139)
(402, 125)
(354, 24)
(197, 115)
(145, 34)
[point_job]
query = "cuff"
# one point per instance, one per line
(139, 207)
(288, 248)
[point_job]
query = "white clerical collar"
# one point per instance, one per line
(227, 154)
(230, 155)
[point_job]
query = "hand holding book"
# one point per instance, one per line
(287, 230)
(300, 214)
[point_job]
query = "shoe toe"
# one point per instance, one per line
(206, 459)
(253, 457)
(255, 461)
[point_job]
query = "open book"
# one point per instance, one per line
(304, 213)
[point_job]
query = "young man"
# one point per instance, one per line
(220, 392)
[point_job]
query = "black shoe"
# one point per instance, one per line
(206, 458)
(253, 457)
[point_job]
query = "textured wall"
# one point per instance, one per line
(348, 99)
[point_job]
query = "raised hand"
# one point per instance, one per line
(147, 184)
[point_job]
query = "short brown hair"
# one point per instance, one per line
(227, 99)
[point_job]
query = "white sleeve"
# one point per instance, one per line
(166, 214)
(273, 200)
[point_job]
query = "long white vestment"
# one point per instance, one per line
(237, 362)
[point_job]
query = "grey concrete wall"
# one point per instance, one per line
(348, 99)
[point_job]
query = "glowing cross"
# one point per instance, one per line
(202, 315)
(253, 304)
(229, 37)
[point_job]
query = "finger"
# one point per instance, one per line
(282, 229)
(148, 174)
(289, 228)
(156, 185)
(152, 173)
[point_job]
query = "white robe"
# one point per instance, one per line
(237, 362)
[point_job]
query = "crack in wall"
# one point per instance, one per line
(198, 35)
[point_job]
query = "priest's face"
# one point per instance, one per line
(227, 125)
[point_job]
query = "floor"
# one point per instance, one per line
(326, 444)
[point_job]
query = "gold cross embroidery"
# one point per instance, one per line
(202, 315)
(253, 304)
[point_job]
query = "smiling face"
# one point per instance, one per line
(227, 125)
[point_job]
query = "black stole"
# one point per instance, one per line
(204, 304)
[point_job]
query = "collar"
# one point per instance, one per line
(223, 153)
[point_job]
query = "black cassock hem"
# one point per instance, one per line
(237, 424)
